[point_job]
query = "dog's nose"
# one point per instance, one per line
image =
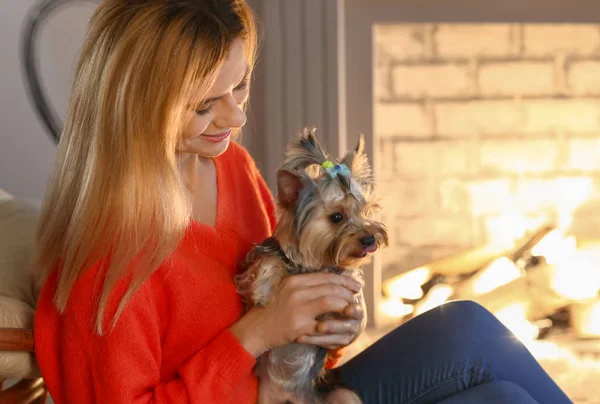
(367, 241)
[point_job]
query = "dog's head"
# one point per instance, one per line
(326, 207)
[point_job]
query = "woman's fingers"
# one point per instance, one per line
(338, 327)
(320, 278)
(327, 290)
(354, 311)
(330, 341)
(326, 304)
(325, 301)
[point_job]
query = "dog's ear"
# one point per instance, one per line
(289, 186)
(358, 163)
(360, 147)
(304, 152)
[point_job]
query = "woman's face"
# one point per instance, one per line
(208, 130)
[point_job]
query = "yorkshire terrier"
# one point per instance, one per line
(324, 224)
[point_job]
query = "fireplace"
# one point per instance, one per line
(485, 130)
(488, 139)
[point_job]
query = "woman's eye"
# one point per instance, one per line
(204, 111)
(242, 86)
(336, 218)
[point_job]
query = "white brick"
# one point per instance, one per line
(518, 156)
(402, 41)
(407, 119)
(421, 160)
(455, 158)
(455, 197)
(573, 39)
(584, 77)
(562, 115)
(393, 260)
(508, 226)
(431, 80)
(445, 231)
(584, 154)
(400, 259)
(385, 162)
(473, 40)
(382, 86)
(405, 198)
(521, 117)
(516, 78)
(491, 197)
(548, 196)
(484, 117)
(536, 195)
(414, 159)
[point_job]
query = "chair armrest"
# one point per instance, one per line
(32, 391)
(16, 339)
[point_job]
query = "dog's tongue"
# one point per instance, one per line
(369, 249)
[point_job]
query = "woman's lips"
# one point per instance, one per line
(218, 137)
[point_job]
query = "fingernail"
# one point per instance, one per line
(356, 286)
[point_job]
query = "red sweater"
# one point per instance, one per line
(171, 343)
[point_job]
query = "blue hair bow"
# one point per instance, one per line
(334, 169)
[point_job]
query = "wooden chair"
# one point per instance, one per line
(26, 391)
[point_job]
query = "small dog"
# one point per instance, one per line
(325, 224)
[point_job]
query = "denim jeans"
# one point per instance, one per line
(456, 353)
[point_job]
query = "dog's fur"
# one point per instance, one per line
(310, 238)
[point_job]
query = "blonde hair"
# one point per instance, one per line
(115, 193)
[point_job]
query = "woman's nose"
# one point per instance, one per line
(231, 115)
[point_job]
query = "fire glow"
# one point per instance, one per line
(570, 276)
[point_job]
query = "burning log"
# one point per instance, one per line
(526, 286)
(527, 277)
(408, 285)
(585, 319)
(532, 291)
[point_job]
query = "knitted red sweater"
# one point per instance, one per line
(171, 344)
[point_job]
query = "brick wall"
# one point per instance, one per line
(481, 123)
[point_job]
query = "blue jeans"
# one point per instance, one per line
(456, 353)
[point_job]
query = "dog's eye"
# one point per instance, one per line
(336, 217)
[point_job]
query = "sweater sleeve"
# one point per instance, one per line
(126, 363)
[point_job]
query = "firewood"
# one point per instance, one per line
(456, 264)
(468, 262)
(533, 291)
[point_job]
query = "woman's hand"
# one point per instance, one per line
(293, 311)
(337, 333)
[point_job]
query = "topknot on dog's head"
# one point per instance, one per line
(306, 154)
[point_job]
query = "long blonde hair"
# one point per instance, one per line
(115, 193)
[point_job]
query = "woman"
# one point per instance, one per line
(150, 208)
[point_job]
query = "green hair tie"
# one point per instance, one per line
(333, 170)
